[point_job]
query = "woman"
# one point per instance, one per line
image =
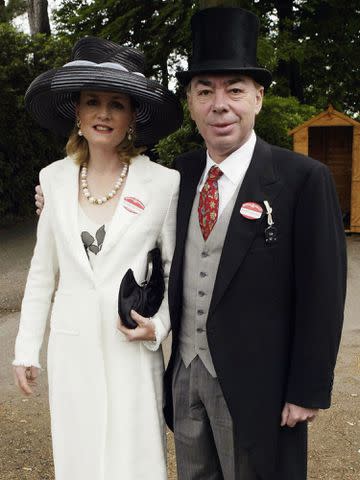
(106, 207)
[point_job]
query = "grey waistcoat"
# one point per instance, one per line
(200, 268)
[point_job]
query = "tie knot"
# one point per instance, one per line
(214, 173)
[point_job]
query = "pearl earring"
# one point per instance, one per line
(78, 124)
(130, 134)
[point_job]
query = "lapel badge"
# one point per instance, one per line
(133, 205)
(270, 230)
(251, 210)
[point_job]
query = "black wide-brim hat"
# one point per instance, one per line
(102, 65)
(225, 40)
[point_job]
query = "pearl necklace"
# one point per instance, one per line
(111, 194)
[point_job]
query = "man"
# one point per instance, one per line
(257, 284)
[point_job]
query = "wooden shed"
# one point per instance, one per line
(334, 139)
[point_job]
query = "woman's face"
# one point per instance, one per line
(105, 117)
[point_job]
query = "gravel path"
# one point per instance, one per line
(16, 247)
(25, 442)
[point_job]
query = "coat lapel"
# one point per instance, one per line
(260, 183)
(67, 201)
(132, 203)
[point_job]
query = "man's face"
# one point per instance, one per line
(224, 109)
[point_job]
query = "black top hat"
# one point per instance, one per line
(225, 40)
(99, 64)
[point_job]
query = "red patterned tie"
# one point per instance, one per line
(209, 202)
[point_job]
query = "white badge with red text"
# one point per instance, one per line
(251, 210)
(133, 205)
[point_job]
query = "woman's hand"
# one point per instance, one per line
(25, 377)
(144, 331)
(39, 199)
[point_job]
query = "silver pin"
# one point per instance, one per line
(268, 213)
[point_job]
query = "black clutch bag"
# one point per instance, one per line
(146, 298)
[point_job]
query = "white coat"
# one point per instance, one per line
(106, 394)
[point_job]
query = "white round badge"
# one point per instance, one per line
(251, 210)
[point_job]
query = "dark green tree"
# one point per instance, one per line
(24, 147)
(312, 46)
(159, 28)
(330, 67)
(11, 9)
(316, 49)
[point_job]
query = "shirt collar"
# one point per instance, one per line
(235, 165)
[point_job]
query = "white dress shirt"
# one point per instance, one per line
(234, 168)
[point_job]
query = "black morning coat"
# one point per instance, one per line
(276, 312)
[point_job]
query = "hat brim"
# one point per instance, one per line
(260, 75)
(50, 100)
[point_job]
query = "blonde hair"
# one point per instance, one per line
(77, 147)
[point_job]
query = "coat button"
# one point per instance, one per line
(200, 312)
(203, 274)
(204, 254)
(201, 293)
(200, 330)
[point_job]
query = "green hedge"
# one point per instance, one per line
(24, 147)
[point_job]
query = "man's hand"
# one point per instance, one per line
(144, 331)
(25, 378)
(292, 414)
(39, 199)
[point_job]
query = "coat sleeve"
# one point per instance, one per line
(166, 244)
(39, 289)
(320, 288)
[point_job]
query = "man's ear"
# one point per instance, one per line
(189, 101)
(259, 99)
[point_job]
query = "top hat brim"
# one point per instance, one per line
(51, 100)
(260, 75)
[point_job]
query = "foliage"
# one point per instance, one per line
(311, 46)
(24, 147)
(317, 47)
(11, 9)
(330, 32)
(280, 115)
(183, 140)
(161, 29)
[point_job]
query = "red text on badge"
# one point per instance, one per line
(133, 205)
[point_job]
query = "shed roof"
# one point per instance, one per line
(322, 119)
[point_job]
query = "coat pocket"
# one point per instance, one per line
(64, 315)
